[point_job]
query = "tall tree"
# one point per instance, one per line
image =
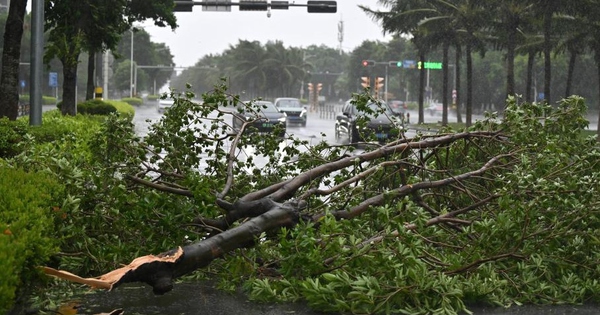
(11, 57)
(510, 17)
(78, 25)
(403, 17)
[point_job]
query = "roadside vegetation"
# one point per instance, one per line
(503, 213)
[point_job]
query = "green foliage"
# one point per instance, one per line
(523, 231)
(134, 101)
(95, 107)
(152, 97)
(30, 203)
(46, 100)
(123, 108)
(536, 243)
(11, 133)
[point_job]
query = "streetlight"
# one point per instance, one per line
(131, 66)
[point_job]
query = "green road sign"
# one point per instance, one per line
(429, 65)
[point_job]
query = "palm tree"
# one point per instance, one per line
(510, 17)
(247, 67)
(284, 68)
(403, 17)
(469, 18)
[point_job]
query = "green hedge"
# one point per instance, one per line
(123, 108)
(95, 107)
(103, 107)
(27, 238)
(152, 97)
(135, 101)
(11, 133)
(46, 100)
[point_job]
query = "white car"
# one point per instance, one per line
(165, 104)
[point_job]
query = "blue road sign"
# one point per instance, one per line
(22, 83)
(411, 64)
(53, 79)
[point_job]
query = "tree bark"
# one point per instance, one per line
(159, 271)
(69, 102)
(9, 83)
(529, 80)
(469, 112)
(89, 89)
(456, 86)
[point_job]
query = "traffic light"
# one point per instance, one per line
(378, 84)
(319, 87)
(183, 6)
(253, 5)
(395, 64)
(321, 6)
(365, 82)
(310, 87)
(366, 63)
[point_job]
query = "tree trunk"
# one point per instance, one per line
(89, 88)
(547, 54)
(529, 80)
(510, 63)
(570, 71)
(469, 86)
(421, 90)
(159, 271)
(456, 87)
(445, 84)
(69, 101)
(598, 70)
(9, 83)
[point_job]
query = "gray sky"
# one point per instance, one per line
(201, 33)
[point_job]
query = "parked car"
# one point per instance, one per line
(379, 124)
(165, 104)
(295, 111)
(264, 118)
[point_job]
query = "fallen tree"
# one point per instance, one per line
(499, 213)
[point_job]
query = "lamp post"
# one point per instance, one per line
(131, 66)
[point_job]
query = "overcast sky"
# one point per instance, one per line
(201, 33)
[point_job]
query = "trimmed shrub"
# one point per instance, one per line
(152, 97)
(134, 101)
(95, 107)
(123, 108)
(11, 133)
(27, 237)
(46, 100)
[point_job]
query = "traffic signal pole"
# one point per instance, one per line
(312, 6)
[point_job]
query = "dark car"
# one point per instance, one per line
(378, 123)
(295, 111)
(263, 115)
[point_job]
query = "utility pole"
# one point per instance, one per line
(37, 47)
